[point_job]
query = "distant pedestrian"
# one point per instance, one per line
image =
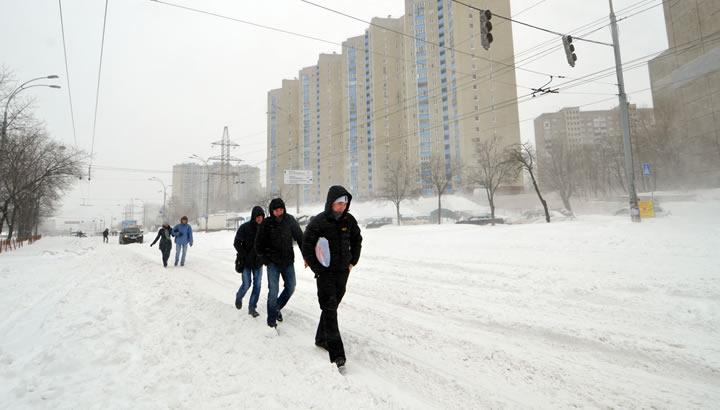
(183, 237)
(106, 232)
(339, 255)
(274, 246)
(165, 237)
(247, 261)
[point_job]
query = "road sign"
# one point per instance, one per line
(646, 168)
(298, 177)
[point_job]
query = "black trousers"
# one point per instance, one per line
(331, 289)
(165, 255)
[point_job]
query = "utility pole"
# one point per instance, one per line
(624, 121)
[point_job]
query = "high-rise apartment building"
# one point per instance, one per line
(196, 186)
(408, 89)
(374, 96)
(283, 137)
(462, 92)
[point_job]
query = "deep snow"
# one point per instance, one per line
(595, 312)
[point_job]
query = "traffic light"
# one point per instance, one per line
(486, 36)
(569, 50)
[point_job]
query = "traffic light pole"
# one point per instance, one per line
(624, 121)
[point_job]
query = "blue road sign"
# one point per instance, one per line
(646, 168)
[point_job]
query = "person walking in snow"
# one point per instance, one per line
(344, 242)
(164, 235)
(247, 261)
(183, 237)
(106, 232)
(274, 247)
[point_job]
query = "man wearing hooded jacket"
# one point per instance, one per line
(343, 235)
(247, 261)
(274, 247)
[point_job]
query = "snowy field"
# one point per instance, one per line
(595, 312)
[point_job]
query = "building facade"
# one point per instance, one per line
(463, 93)
(594, 140)
(283, 137)
(685, 82)
(408, 89)
(197, 187)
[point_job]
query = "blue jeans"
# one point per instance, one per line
(179, 248)
(256, 280)
(275, 303)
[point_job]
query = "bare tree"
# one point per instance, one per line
(438, 174)
(400, 184)
(495, 167)
(37, 171)
(561, 171)
(524, 155)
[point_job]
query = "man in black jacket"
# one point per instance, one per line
(247, 261)
(342, 232)
(274, 246)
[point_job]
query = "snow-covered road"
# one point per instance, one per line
(596, 312)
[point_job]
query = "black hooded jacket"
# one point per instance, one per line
(245, 240)
(164, 235)
(343, 236)
(274, 241)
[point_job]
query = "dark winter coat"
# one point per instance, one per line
(343, 236)
(245, 241)
(106, 232)
(274, 241)
(164, 235)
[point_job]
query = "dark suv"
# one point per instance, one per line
(130, 234)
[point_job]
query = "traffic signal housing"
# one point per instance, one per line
(486, 36)
(569, 50)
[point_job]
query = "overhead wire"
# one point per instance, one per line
(97, 90)
(67, 74)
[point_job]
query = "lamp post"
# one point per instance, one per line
(164, 193)
(23, 86)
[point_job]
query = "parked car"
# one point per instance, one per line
(378, 222)
(79, 234)
(481, 220)
(659, 211)
(130, 234)
(414, 220)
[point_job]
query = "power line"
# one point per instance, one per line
(97, 91)
(649, 8)
(67, 73)
(423, 40)
(527, 24)
(638, 62)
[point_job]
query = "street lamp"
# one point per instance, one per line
(23, 86)
(207, 188)
(164, 193)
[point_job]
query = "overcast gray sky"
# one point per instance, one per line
(172, 79)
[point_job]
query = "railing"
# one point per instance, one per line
(7, 245)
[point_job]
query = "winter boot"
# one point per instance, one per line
(238, 304)
(279, 318)
(254, 313)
